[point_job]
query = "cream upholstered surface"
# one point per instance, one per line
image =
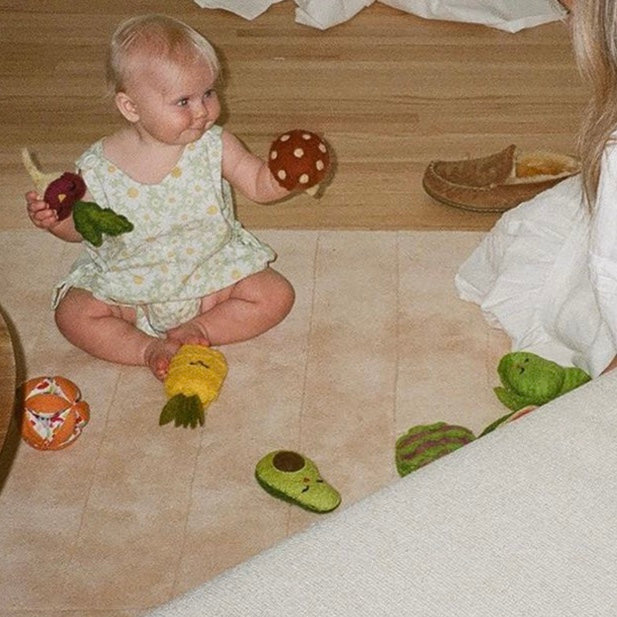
(520, 522)
(132, 515)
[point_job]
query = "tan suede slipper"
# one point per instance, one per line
(497, 182)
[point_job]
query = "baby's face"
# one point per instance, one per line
(176, 104)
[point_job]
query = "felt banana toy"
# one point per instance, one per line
(195, 377)
(41, 180)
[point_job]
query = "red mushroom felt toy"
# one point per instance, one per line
(299, 159)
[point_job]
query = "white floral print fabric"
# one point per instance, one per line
(186, 241)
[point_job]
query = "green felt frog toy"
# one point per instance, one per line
(528, 379)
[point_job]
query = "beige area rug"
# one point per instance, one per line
(132, 514)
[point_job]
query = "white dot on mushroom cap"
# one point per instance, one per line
(273, 154)
(319, 165)
(323, 148)
(298, 153)
(303, 179)
(281, 174)
(306, 136)
(285, 137)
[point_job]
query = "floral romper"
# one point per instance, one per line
(186, 242)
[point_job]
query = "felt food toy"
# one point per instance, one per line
(63, 192)
(423, 444)
(54, 414)
(299, 159)
(195, 377)
(295, 478)
(59, 190)
(508, 418)
(93, 222)
(528, 379)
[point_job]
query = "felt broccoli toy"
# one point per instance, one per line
(63, 192)
(528, 379)
(92, 221)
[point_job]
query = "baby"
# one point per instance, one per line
(188, 272)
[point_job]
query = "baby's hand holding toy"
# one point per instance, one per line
(299, 159)
(39, 212)
(63, 192)
(60, 190)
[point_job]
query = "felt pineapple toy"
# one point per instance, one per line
(63, 193)
(196, 374)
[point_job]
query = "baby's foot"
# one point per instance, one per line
(190, 333)
(158, 355)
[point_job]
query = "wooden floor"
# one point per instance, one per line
(390, 92)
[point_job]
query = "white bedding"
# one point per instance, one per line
(502, 14)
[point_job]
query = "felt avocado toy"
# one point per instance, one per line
(528, 379)
(63, 192)
(295, 478)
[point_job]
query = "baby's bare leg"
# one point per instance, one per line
(239, 312)
(108, 332)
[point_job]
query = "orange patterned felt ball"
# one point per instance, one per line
(53, 413)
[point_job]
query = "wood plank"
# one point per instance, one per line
(389, 90)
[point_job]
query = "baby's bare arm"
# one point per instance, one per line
(248, 173)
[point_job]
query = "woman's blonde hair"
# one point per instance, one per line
(595, 45)
(149, 37)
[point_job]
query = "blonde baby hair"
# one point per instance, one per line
(154, 36)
